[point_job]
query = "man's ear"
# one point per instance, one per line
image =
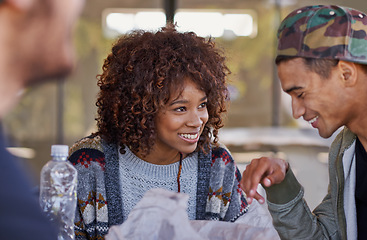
(20, 5)
(348, 72)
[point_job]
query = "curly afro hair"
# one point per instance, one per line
(137, 79)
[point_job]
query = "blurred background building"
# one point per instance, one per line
(259, 121)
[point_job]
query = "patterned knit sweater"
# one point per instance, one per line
(138, 176)
(99, 204)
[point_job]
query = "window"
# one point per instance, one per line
(215, 23)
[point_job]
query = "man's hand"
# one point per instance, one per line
(266, 171)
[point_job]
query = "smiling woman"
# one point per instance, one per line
(180, 123)
(160, 106)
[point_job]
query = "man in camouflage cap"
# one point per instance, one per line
(322, 65)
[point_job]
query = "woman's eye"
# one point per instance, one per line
(203, 105)
(180, 109)
(300, 95)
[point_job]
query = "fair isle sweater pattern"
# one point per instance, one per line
(99, 205)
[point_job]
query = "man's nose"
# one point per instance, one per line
(298, 108)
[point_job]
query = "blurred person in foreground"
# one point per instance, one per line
(35, 45)
(322, 65)
(161, 103)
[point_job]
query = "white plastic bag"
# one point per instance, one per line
(161, 215)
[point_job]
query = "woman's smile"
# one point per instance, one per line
(190, 137)
(180, 123)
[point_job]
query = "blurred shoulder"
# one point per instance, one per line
(92, 142)
(87, 151)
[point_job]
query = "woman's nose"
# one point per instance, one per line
(197, 118)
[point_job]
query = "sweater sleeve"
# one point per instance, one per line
(225, 188)
(91, 218)
(239, 205)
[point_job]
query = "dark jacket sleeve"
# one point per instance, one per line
(292, 217)
(20, 212)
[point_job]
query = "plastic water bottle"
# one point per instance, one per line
(58, 191)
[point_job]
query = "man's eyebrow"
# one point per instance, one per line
(292, 89)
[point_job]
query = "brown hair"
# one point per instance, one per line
(137, 78)
(318, 65)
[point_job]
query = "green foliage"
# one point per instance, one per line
(88, 38)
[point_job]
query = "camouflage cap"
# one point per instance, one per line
(321, 31)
